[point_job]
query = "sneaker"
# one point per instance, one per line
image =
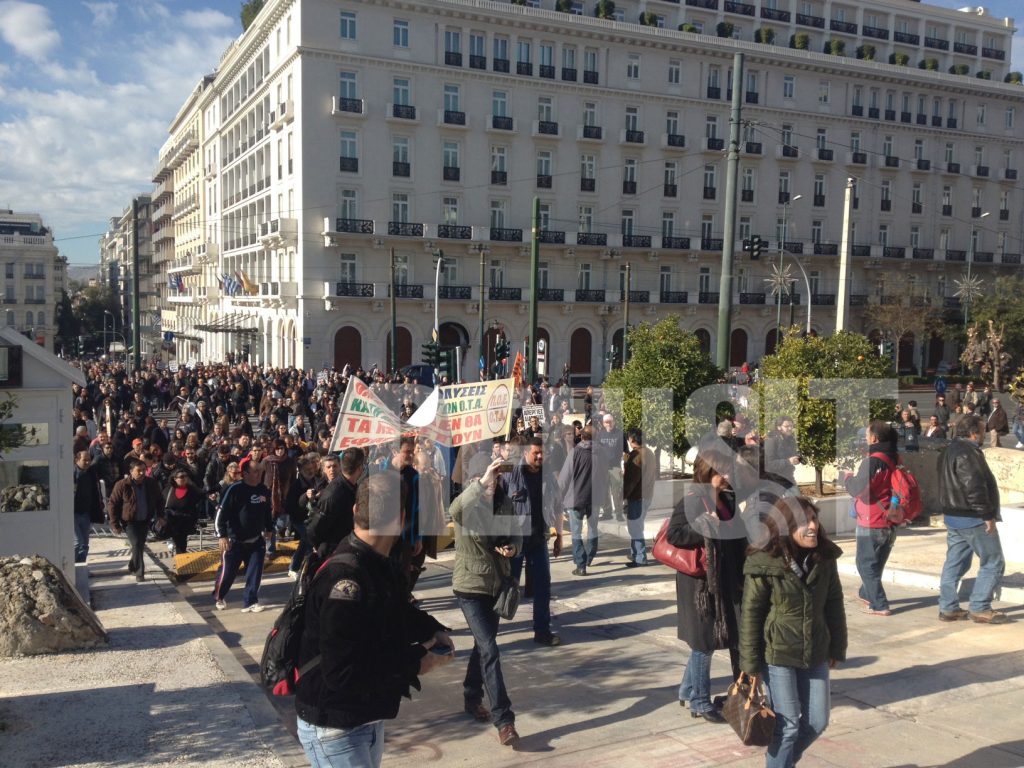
(293, 575)
(580, 571)
(170, 546)
(220, 605)
(989, 617)
(254, 608)
(1019, 445)
(955, 615)
(632, 564)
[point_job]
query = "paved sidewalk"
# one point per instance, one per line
(164, 692)
(176, 685)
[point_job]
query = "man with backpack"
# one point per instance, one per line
(364, 644)
(969, 497)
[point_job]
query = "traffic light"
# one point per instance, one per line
(446, 364)
(756, 244)
(748, 247)
(430, 354)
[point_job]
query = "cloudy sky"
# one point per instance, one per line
(88, 89)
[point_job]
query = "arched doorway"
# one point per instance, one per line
(348, 348)
(770, 340)
(704, 339)
(936, 348)
(737, 348)
(404, 349)
(453, 335)
(580, 354)
(875, 337)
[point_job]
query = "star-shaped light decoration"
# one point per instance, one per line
(968, 288)
(779, 281)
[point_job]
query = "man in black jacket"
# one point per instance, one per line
(88, 507)
(969, 498)
(364, 644)
(332, 519)
(243, 524)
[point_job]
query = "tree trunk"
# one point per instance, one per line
(819, 488)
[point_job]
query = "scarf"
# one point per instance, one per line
(709, 598)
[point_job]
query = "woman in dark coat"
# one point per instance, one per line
(708, 607)
(182, 509)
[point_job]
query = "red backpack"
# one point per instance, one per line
(904, 488)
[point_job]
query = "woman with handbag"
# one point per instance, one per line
(487, 537)
(793, 627)
(708, 605)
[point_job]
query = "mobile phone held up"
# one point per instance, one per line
(441, 650)
(504, 468)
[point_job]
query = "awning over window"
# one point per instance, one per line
(235, 322)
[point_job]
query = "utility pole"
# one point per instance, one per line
(394, 316)
(729, 236)
(531, 342)
(843, 299)
(136, 347)
(483, 337)
(625, 315)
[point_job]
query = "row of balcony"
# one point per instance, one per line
(612, 241)
(845, 27)
(247, 191)
(525, 68)
(344, 289)
(23, 240)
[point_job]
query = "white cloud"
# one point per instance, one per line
(27, 28)
(206, 19)
(81, 137)
(102, 13)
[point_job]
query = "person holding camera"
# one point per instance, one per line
(487, 536)
(781, 453)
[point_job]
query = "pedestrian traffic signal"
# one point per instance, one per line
(887, 349)
(430, 354)
(756, 244)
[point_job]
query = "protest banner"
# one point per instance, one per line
(466, 413)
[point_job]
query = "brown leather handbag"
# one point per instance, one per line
(748, 713)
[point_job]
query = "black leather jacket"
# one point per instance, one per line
(367, 633)
(967, 487)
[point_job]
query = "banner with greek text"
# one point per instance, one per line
(466, 413)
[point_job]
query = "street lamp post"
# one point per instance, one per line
(782, 251)
(969, 286)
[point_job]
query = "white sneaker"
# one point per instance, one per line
(171, 548)
(254, 608)
(1019, 445)
(293, 575)
(220, 605)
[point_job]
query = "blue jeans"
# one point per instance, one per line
(303, 547)
(253, 554)
(961, 546)
(636, 511)
(873, 548)
(359, 747)
(1018, 431)
(801, 700)
(83, 525)
(582, 555)
(484, 669)
(696, 683)
(535, 553)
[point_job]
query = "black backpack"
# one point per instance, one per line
(279, 668)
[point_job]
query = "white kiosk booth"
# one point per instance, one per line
(37, 478)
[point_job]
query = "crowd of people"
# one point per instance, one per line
(250, 449)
